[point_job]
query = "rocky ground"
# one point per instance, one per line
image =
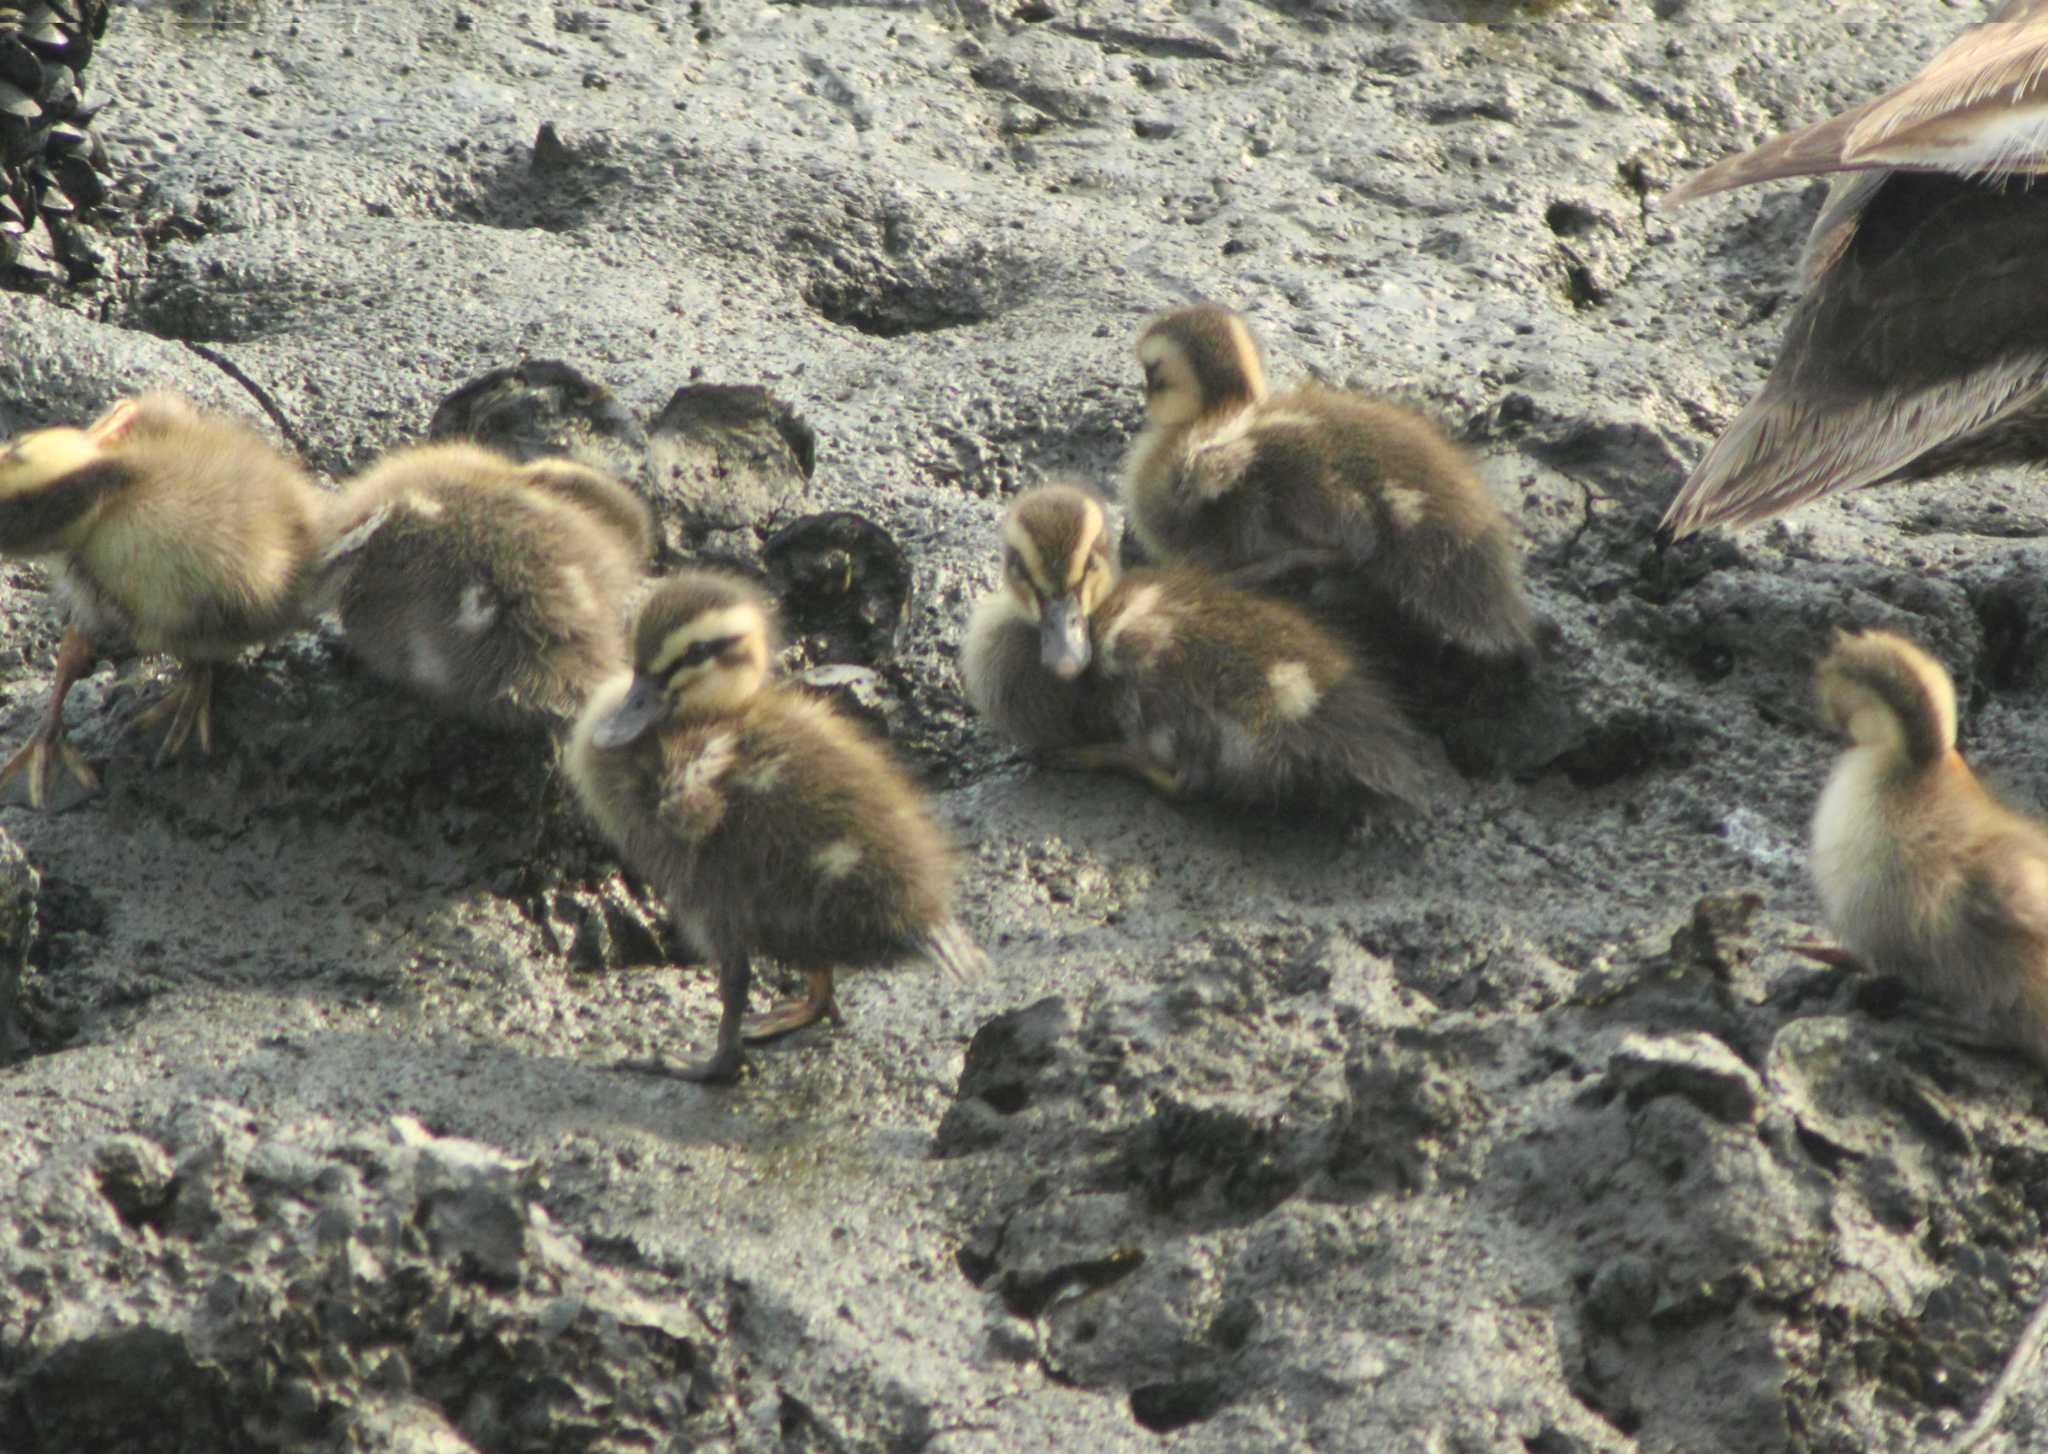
(1516, 1128)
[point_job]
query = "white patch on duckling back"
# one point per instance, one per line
(425, 665)
(1408, 507)
(838, 859)
(425, 506)
(761, 777)
(1294, 689)
(475, 612)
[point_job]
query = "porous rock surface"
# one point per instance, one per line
(1518, 1128)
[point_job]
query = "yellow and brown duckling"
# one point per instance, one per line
(772, 824)
(1920, 345)
(493, 589)
(1175, 676)
(180, 531)
(1922, 872)
(1356, 501)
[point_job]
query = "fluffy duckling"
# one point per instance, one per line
(1920, 345)
(773, 825)
(495, 590)
(1922, 872)
(1358, 499)
(1175, 676)
(181, 531)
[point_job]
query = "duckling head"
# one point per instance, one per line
(1056, 565)
(49, 488)
(1882, 691)
(31, 461)
(1198, 360)
(701, 647)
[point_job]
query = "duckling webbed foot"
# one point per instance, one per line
(189, 705)
(817, 1004)
(1123, 757)
(31, 777)
(723, 1068)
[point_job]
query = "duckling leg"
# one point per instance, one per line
(1122, 757)
(37, 762)
(1827, 954)
(734, 975)
(188, 704)
(818, 1004)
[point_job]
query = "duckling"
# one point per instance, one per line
(1359, 499)
(495, 590)
(1175, 676)
(1920, 345)
(773, 825)
(1922, 872)
(182, 531)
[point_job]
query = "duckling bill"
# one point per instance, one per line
(1920, 344)
(1346, 501)
(180, 531)
(1176, 677)
(1922, 872)
(772, 825)
(493, 589)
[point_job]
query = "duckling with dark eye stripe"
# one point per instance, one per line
(1175, 676)
(181, 531)
(1345, 500)
(1922, 872)
(495, 590)
(772, 824)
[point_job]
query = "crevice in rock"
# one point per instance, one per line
(1164, 1407)
(884, 308)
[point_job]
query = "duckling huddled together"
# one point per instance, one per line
(1300, 545)
(496, 591)
(1302, 554)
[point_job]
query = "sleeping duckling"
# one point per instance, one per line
(773, 825)
(1920, 345)
(1175, 676)
(1357, 500)
(495, 590)
(184, 532)
(1921, 871)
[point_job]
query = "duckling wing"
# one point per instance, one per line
(1281, 498)
(693, 796)
(2000, 957)
(1922, 345)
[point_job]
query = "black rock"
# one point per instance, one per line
(844, 585)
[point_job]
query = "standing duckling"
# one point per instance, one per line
(493, 589)
(1175, 676)
(773, 825)
(1920, 345)
(1358, 498)
(1922, 872)
(181, 531)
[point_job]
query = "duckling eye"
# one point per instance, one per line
(699, 652)
(1154, 381)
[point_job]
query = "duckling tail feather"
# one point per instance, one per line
(953, 949)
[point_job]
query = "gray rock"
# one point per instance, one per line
(1519, 1128)
(18, 886)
